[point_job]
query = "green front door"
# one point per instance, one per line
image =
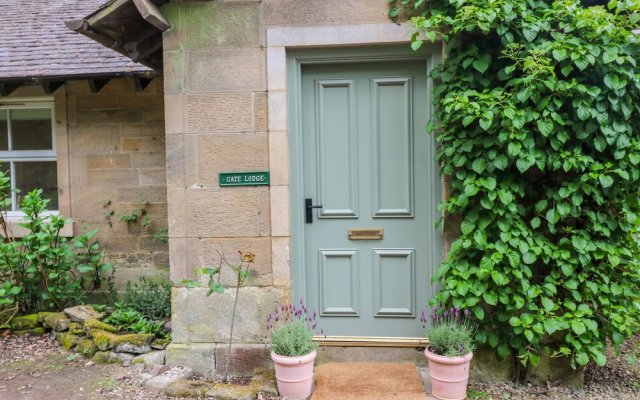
(371, 249)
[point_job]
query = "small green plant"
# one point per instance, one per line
(450, 333)
(133, 216)
(109, 212)
(151, 297)
(477, 394)
(292, 330)
(162, 235)
(99, 307)
(129, 320)
(242, 272)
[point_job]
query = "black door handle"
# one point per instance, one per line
(308, 210)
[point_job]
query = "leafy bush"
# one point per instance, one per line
(43, 270)
(292, 330)
(450, 333)
(537, 116)
(130, 320)
(150, 297)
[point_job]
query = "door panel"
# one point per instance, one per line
(368, 162)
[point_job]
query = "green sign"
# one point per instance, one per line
(244, 178)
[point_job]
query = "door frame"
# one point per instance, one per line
(296, 59)
(289, 47)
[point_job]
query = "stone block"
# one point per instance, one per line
(107, 117)
(141, 195)
(82, 313)
(149, 243)
(238, 69)
(487, 366)
(132, 274)
(178, 260)
(176, 211)
(153, 176)
(174, 71)
(57, 321)
(149, 160)
(557, 370)
(245, 358)
(260, 111)
(110, 161)
(200, 357)
(279, 158)
(281, 262)
(277, 110)
(149, 129)
(218, 153)
(197, 317)
(314, 13)
(151, 359)
(94, 140)
(260, 271)
(228, 112)
(279, 201)
(167, 378)
(144, 144)
(113, 177)
(228, 212)
(96, 102)
(173, 38)
(151, 106)
(217, 24)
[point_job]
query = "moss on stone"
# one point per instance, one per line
(67, 340)
(57, 321)
(105, 357)
(76, 328)
(133, 338)
(94, 324)
(25, 322)
(186, 388)
(44, 314)
(160, 344)
(102, 339)
(86, 347)
(33, 332)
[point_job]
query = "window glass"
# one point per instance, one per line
(31, 129)
(4, 131)
(37, 174)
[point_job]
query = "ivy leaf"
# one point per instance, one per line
(578, 327)
(479, 165)
(605, 181)
(482, 63)
(490, 298)
(547, 303)
(582, 358)
(545, 127)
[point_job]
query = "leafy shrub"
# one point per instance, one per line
(450, 333)
(292, 330)
(537, 116)
(130, 320)
(43, 270)
(150, 297)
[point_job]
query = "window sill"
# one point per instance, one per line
(17, 231)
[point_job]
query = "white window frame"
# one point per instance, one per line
(28, 155)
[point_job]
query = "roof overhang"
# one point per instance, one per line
(130, 27)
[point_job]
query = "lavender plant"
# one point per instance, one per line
(451, 332)
(292, 329)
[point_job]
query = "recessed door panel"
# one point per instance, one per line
(339, 282)
(337, 162)
(393, 141)
(394, 282)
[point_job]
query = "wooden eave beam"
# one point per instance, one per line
(6, 88)
(152, 14)
(95, 85)
(140, 83)
(50, 87)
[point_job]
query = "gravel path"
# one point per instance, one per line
(618, 380)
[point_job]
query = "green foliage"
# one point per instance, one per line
(43, 270)
(537, 117)
(292, 330)
(129, 320)
(150, 297)
(450, 333)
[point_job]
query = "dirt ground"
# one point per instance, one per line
(36, 368)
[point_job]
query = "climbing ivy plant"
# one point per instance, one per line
(538, 121)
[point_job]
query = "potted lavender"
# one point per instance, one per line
(293, 349)
(449, 352)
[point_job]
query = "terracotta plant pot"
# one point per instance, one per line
(449, 375)
(294, 375)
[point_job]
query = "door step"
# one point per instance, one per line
(371, 341)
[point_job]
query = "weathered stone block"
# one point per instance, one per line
(94, 324)
(200, 357)
(313, 13)
(57, 321)
(218, 153)
(173, 69)
(149, 159)
(144, 144)
(228, 112)
(94, 140)
(260, 111)
(557, 370)
(167, 378)
(113, 177)
(109, 161)
(113, 116)
(487, 366)
(206, 319)
(143, 130)
(25, 322)
(153, 176)
(244, 358)
(221, 25)
(220, 212)
(239, 69)
(137, 195)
